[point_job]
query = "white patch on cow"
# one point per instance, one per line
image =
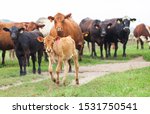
(48, 25)
(148, 39)
(118, 21)
(143, 38)
(147, 28)
(126, 17)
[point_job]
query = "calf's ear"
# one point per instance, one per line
(40, 39)
(6, 29)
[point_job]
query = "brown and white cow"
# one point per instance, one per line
(142, 34)
(61, 49)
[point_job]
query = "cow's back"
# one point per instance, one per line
(141, 30)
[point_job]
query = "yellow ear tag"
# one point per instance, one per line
(86, 34)
(118, 22)
(108, 27)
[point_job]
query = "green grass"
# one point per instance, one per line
(105, 86)
(133, 83)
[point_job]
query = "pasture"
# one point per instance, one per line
(129, 83)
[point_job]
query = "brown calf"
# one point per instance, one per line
(61, 49)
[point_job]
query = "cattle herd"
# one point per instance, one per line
(59, 36)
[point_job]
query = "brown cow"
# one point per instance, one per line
(61, 49)
(64, 25)
(141, 33)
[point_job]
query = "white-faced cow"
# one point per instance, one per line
(118, 32)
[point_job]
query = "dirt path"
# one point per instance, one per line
(88, 73)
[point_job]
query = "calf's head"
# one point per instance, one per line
(48, 43)
(59, 22)
(14, 32)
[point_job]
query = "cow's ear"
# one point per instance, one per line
(133, 19)
(40, 39)
(6, 29)
(109, 25)
(51, 18)
(119, 20)
(41, 25)
(21, 30)
(67, 16)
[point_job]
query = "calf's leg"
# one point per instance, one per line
(76, 63)
(58, 68)
(50, 69)
(66, 69)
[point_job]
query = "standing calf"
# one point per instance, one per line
(26, 44)
(61, 49)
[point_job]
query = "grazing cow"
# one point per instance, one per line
(118, 32)
(5, 41)
(61, 49)
(94, 31)
(142, 34)
(26, 44)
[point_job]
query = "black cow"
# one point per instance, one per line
(118, 32)
(94, 31)
(26, 44)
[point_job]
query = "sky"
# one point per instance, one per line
(31, 10)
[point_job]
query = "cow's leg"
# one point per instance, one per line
(70, 68)
(58, 68)
(24, 64)
(101, 51)
(75, 59)
(137, 44)
(124, 50)
(40, 54)
(105, 46)
(66, 69)
(109, 48)
(33, 56)
(20, 65)
(116, 48)
(3, 57)
(142, 44)
(93, 53)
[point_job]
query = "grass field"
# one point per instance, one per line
(130, 83)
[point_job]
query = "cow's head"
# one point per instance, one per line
(104, 28)
(33, 26)
(14, 31)
(59, 21)
(125, 22)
